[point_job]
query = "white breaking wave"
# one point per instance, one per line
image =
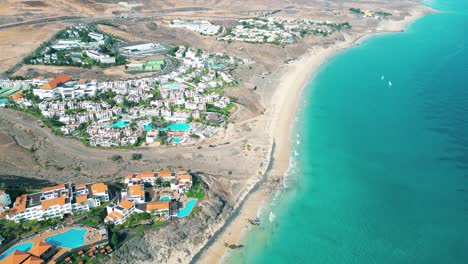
(272, 217)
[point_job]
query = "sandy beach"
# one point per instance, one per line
(282, 111)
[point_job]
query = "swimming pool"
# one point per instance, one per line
(216, 66)
(187, 209)
(177, 127)
(172, 86)
(72, 238)
(165, 198)
(148, 127)
(120, 124)
(25, 247)
(176, 140)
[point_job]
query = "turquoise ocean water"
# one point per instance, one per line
(380, 173)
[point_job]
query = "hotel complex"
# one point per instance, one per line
(67, 198)
(57, 201)
(132, 197)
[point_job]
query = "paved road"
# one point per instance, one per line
(161, 13)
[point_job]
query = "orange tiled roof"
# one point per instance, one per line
(15, 257)
(114, 216)
(20, 203)
(80, 186)
(130, 176)
(184, 177)
(39, 248)
(81, 199)
(98, 188)
(2, 192)
(53, 188)
(181, 172)
(146, 174)
(17, 96)
(33, 260)
(56, 82)
(82, 81)
(126, 204)
(136, 190)
(51, 202)
(163, 205)
(164, 174)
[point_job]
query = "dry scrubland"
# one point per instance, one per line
(16, 43)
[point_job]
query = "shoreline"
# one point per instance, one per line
(283, 109)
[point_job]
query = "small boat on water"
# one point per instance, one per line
(383, 77)
(390, 84)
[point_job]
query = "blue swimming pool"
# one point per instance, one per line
(148, 127)
(176, 140)
(172, 86)
(165, 198)
(120, 124)
(25, 247)
(187, 209)
(72, 238)
(216, 66)
(177, 127)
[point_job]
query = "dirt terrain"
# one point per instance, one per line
(16, 43)
(35, 17)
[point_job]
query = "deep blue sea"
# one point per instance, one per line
(380, 171)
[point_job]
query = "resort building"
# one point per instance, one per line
(57, 201)
(102, 58)
(117, 214)
(100, 193)
(98, 37)
(166, 175)
(19, 257)
(48, 90)
(184, 181)
(151, 137)
(160, 208)
(201, 26)
(140, 178)
(66, 88)
(134, 193)
(89, 196)
(42, 250)
(142, 49)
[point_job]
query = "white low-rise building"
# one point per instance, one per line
(117, 214)
(57, 201)
(103, 58)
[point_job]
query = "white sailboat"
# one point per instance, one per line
(389, 84)
(383, 77)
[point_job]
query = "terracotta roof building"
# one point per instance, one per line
(41, 249)
(18, 257)
(52, 84)
(57, 201)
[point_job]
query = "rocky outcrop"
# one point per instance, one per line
(178, 241)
